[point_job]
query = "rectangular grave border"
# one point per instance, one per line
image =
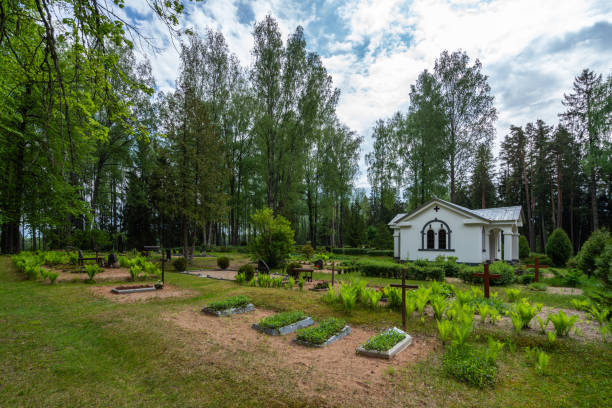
(228, 312)
(389, 354)
(343, 333)
(134, 290)
(290, 328)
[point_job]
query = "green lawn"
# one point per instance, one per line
(61, 346)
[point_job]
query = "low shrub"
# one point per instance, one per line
(52, 276)
(307, 251)
(591, 250)
(291, 269)
(240, 278)
(559, 247)
(384, 341)
(526, 279)
(92, 270)
(350, 251)
(562, 323)
(523, 247)
(380, 252)
(538, 286)
(388, 269)
(281, 319)
(223, 262)
(470, 366)
(603, 263)
(505, 270)
(135, 271)
(320, 334)
(248, 270)
(180, 264)
(231, 302)
(513, 295)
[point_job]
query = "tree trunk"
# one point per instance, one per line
(529, 213)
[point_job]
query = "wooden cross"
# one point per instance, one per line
(404, 287)
(485, 277)
(537, 266)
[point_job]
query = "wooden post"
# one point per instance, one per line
(537, 267)
(404, 299)
(485, 277)
(163, 256)
(333, 264)
(404, 287)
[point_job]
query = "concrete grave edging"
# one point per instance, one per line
(290, 328)
(389, 354)
(343, 333)
(228, 312)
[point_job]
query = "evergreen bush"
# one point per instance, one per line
(559, 247)
(523, 247)
(248, 270)
(591, 250)
(223, 262)
(180, 264)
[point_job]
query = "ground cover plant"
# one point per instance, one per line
(229, 303)
(384, 341)
(279, 320)
(321, 333)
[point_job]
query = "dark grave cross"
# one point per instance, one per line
(404, 287)
(436, 208)
(485, 277)
(536, 265)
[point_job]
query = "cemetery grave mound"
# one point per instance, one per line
(283, 323)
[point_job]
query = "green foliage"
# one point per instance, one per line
(513, 295)
(321, 333)
(542, 362)
(223, 262)
(559, 247)
(307, 251)
(291, 269)
(371, 297)
(135, 271)
(248, 270)
(92, 270)
(237, 302)
(563, 323)
(330, 296)
(505, 270)
(603, 264)
(445, 330)
(279, 320)
(385, 340)
(394, 296)
(439, 306)
(348, 297)
(273, 241)
(301, 283)
(472, 367)
(180, 264)
(388, 269)
(538, 286)
(52, 276)
(240, 278)
(591, 250)
(523, 247)
(523, 313)
(73, 258)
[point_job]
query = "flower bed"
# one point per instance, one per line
(386, 344)
(327, 332)
(283, 323)
(230, 306)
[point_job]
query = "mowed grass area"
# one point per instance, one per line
(61, 346)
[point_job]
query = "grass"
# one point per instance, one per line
(61, 346)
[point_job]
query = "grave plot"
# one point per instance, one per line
(232, 305)
(386, 344)
(326, 333)
(125, 289)
(169, 291)
(283, 323)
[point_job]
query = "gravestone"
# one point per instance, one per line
(112, 262)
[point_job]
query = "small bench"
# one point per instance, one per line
(99, 260)
(305, 270)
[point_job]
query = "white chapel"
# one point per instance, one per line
(442, 228)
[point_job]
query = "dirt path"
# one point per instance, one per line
(346, 377)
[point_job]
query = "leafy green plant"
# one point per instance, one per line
(439, 306)
(552, 337)
(330, 296)
(372, 296)
(463, 297)
(320, 334)
(240, 278)
(422, 298)
(73, 258)
(445, 329)
(580, 304)
(290, 283)
(223, 262)
(523, 247)
(591, 250)
(600, 315)
(301, 283)
(231, 302)
(526, 311)
(91, 271)
(513, 295)
(273, 241)
(264, 280)
(394, 295)
(543, 324)
(461, 333)
(562, 323)
(248, 270)
(542, 362)
(52, 276)
(493, 349)
(505, 271)
(282, 319)
(135, 271)
(384, 341)
(348, 296)
(307, 251)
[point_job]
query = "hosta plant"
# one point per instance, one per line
(135, 271)
(439, 305)
(562, 323)
(445, 329)
(348, 296)
(372, 296)
(92, 270)
(513, 295)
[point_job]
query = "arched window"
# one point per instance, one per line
(442, 239)
(430, 239)
(483, 240)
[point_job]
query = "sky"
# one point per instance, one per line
(531, 50)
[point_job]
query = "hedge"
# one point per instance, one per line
(362, 251)
(466, 273)
(385, 269)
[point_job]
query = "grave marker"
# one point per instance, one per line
(485, 277)
(404, 287)
(537, 267)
